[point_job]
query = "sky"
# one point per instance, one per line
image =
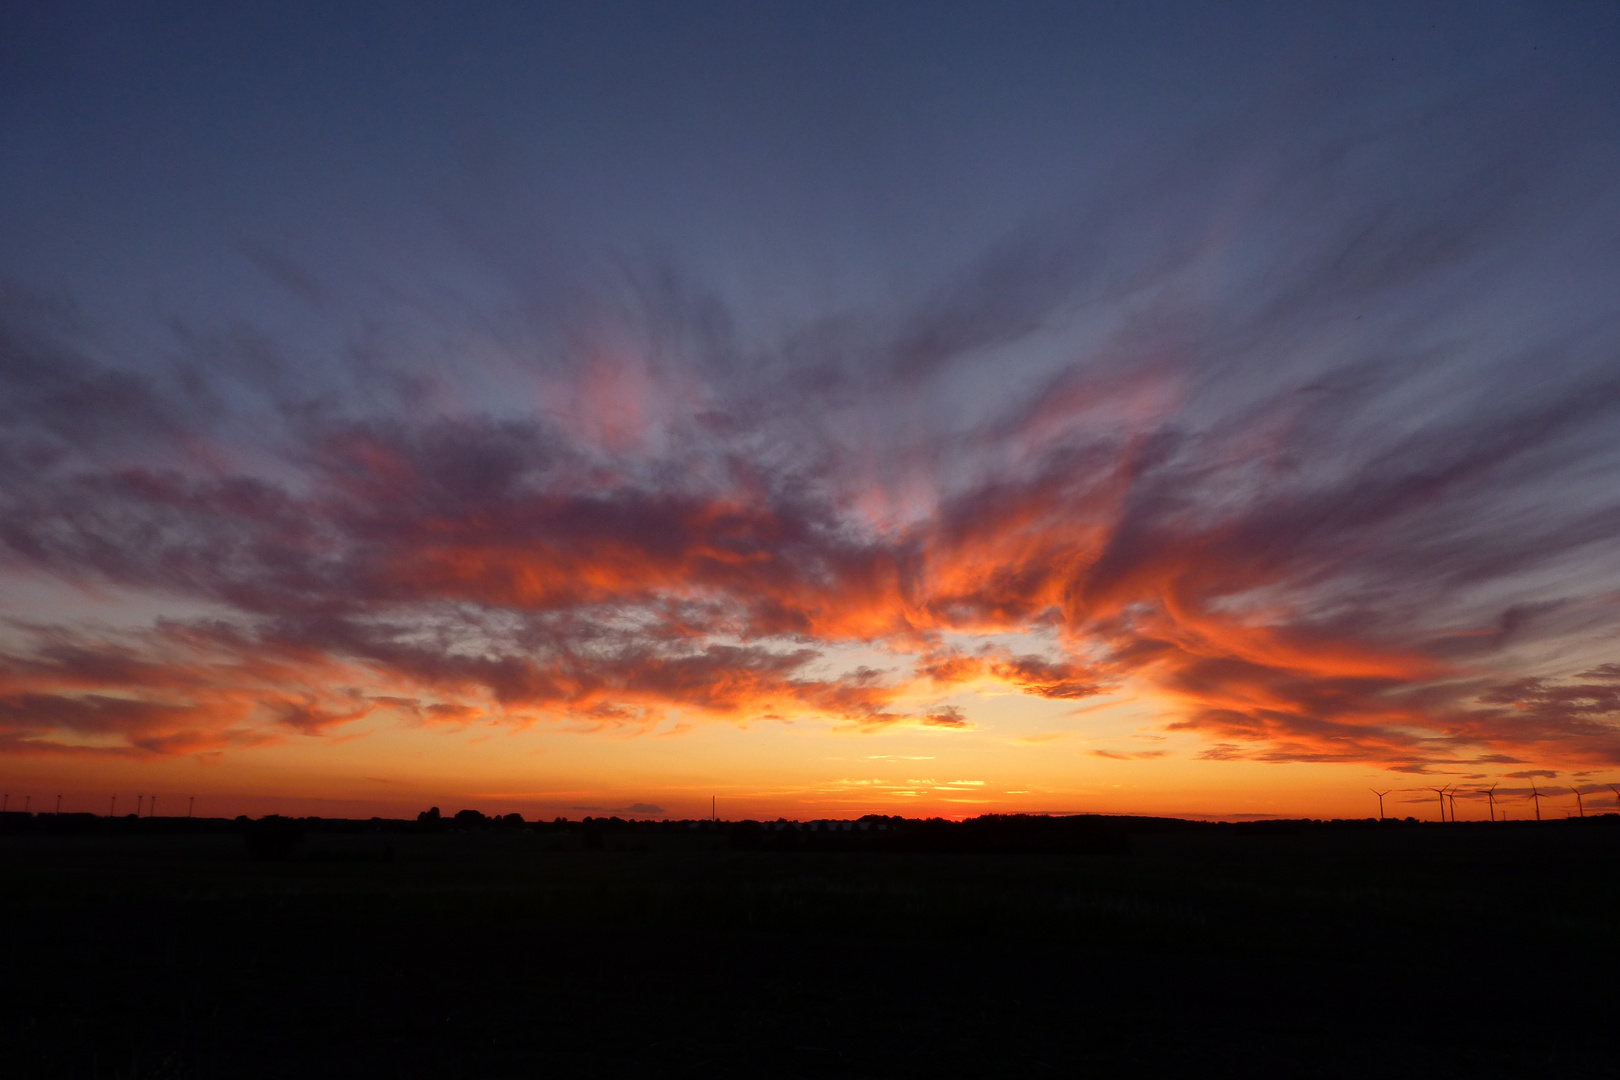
(826, 409)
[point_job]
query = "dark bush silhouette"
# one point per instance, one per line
(747, 836)
(593, 829)
(274, 837)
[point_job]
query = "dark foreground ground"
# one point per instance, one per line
(146, 950)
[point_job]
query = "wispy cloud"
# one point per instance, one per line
(1321, 500)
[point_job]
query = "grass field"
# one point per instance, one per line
(1301, 949)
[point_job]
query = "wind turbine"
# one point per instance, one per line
(190, 805)
(59, 805)
(1616, 791)
(1537, 796)
(1440, 791)
(151, 805)
(112, 807)
(140, 800)
(1580, 807)
(1452, 795)
(1490, 793)
(1381, 795)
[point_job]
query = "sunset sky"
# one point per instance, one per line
(1208, 410)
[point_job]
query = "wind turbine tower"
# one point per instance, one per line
(1580, 807)
(1490, 793)
(1381, 795)
(1441, 792)
(1536, 794)
(1452, 795)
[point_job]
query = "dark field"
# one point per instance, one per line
(175, 949)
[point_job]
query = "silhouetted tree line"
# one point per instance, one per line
(275, 836)
(469, 820)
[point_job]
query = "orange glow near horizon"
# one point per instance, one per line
(907, 724)
(589, 618)
(1174, 439)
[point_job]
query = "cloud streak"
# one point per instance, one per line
(1327, 499)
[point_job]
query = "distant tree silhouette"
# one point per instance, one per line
(430, 816)
(470, 819)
